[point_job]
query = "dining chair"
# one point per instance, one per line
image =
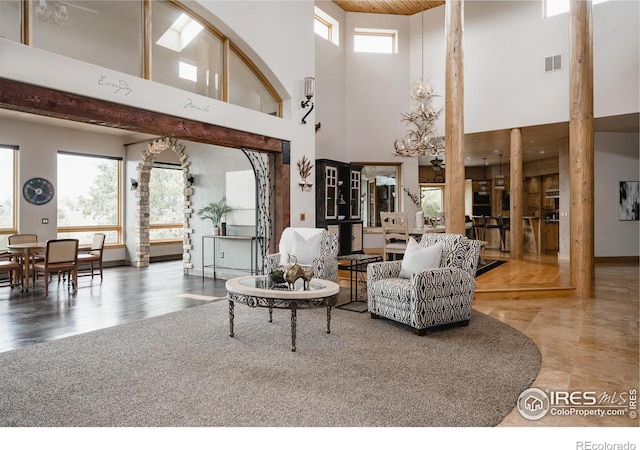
(13, 270)
(61, 256)
(88, 260)
(25, 238)
(395, 231)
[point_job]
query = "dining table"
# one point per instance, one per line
(26, 251)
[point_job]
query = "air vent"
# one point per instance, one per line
(552, 63)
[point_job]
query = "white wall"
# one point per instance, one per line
(616, 159)
(330, 107)
(504, 45)
(377, 94)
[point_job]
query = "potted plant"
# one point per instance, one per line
(214, 212)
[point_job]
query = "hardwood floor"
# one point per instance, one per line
(127, 294)
(586, 344)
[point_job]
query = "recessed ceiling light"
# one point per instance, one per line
(476, 141)
(541, 151)
(532, 142)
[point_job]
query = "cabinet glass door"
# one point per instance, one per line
(354, 206)
(331, 193)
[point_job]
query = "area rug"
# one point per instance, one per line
(183, 369)
(488, 265)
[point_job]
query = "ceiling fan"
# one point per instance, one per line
(437, 164)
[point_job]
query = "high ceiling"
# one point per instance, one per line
(399, 7)
(538, 142)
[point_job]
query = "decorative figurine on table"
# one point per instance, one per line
(297, 271)
(277, 277)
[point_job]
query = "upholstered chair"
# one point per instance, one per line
(431, 297)
(311, 247)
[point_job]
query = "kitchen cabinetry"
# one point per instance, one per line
(551, 236)
(338, 189)
(481, 198)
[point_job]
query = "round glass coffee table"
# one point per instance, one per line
(260, 291)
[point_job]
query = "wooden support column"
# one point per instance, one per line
(581, 150)
(516, 195)
(454, 119)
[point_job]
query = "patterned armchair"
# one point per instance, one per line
(431, 297)
(324, 261)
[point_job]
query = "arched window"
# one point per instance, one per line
(163, 41)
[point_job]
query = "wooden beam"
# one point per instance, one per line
(581, 147)
(516, 195)
(454, 119)
(28, 98)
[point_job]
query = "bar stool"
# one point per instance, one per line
(479, 227)
(504, 224)
(491, 223)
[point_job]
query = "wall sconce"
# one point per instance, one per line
(309, 88)
(190, 180)
(304, 167)
(134, 184)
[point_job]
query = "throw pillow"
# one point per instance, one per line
(417, 258)
(305, 250)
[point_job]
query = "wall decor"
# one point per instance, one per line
(628, 202)
(38, 191)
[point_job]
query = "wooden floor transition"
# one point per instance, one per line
(534, 276)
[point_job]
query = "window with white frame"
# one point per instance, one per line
(369, 40)
(89, 199)
(326, 26)
(166, 202)
(8, 195)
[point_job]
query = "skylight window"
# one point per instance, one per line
(187, 71)
(555, 7)
(180, 33)
(367, 40)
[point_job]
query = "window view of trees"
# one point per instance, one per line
(432, 200)
(166, 202)
(88, 197)
(7, 194)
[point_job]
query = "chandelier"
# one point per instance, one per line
(53, 11)
(421, 140)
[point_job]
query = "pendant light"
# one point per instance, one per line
(421, 139)
(483, 184)
(498, 182)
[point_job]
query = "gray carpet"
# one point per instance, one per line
(183, 369)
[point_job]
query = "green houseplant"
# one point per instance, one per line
(214, 212)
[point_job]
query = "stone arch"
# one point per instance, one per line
(147, 158)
